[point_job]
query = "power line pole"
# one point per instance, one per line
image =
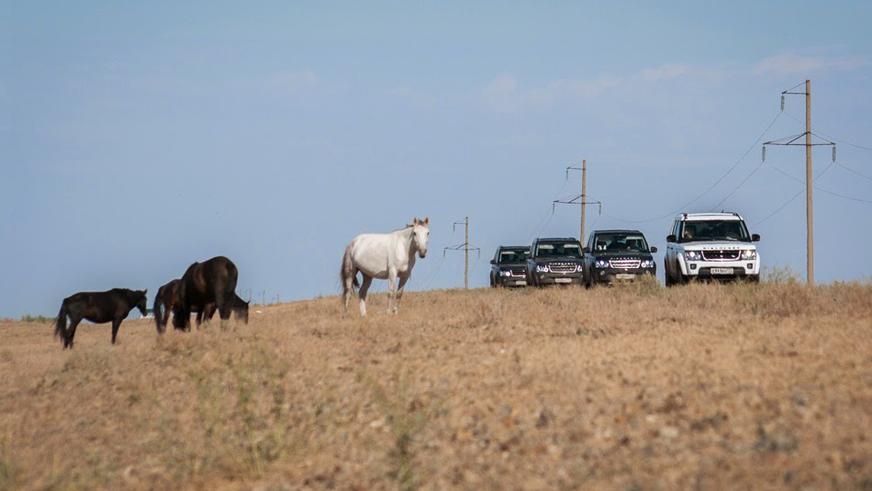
(809, 180)
(583, 197)
(809, 174)
(580, 199)
(466, 253)
(465, 247)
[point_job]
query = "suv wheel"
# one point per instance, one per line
(667, 274)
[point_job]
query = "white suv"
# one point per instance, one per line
(711, 246)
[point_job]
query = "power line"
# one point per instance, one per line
(465, 247)
(798, 194)
(581, 199)
(864, 176)
(843, 196)
(546, 217)
(823, 190)
(786, 141)
(809, 175)
(731, 193)
(714, 185)
(433, 274)
(777, 210)
(820, 134)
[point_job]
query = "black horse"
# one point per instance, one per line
(165, 302)
(237, 305)
(98, 307)
(212, 281)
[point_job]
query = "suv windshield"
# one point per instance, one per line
(509, 256)
(714, 230)
(558, 249)
(632, 242)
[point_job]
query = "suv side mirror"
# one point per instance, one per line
(493, 261)
(670, 238)
(755, 237)
(585, 250)
(653, 249)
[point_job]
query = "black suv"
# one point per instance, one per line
(617, 255)
(509, 266)
(555, 261)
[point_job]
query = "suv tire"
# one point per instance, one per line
(670, 281)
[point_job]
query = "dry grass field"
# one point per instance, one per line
(633, 387)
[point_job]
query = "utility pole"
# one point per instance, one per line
(583, 197)
(463, 247)
(466, 253)
(809, 174)
(580, 199)
(809, 180)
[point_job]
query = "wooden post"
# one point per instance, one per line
(583, 198)
(809, 180)
(466, 255)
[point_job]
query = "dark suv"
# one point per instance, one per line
(509, 266)
(617, 255)
(555, 261)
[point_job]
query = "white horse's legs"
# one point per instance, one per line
(403, 280)
(361, 293)
(392, 291)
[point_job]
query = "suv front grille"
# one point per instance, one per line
(562, 267)
(720, 255)
(625, 263)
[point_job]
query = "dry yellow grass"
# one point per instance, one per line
(637, 387)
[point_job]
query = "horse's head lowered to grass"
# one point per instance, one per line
(141, 301)
(421, 235)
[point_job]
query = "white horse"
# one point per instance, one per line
(386, 257)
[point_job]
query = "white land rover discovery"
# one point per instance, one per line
(711, 246)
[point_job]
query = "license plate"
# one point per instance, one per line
(562, 280)
(521, 283)
(722, 270)
(624, 276)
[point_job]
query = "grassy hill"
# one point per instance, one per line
(633, 387)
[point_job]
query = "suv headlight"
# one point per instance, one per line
(693, 255)
(749, 254)
(601, 263)
(506, 272)
(542, 268)
(579, 268)
(647, 263)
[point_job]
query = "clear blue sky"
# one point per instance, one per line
(136, 138)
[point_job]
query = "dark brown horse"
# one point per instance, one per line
(98, 307)
(237, 305)
(164, 303)
(212, 281)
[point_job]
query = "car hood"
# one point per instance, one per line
(718, 246)
(620, 254)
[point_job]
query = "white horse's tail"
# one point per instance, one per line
(347, 271)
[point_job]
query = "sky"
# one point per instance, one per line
(137, 138)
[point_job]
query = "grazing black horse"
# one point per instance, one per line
(164, 302)
(237, 305)
(212, 281)
(98, 307)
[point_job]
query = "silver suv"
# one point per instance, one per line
(710, 246)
